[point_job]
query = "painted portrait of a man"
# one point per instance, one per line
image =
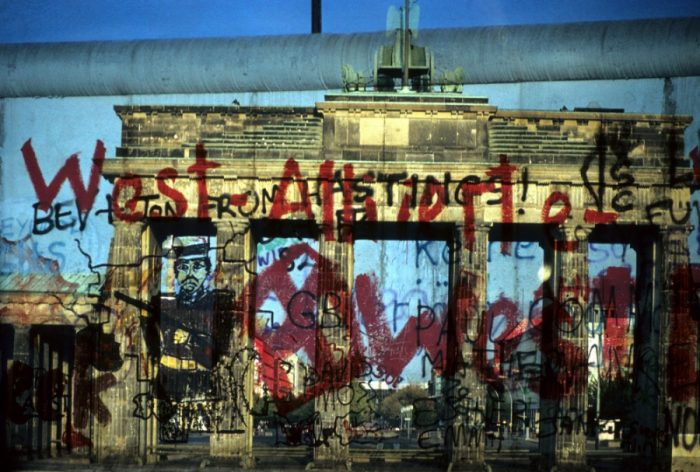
(186, 321)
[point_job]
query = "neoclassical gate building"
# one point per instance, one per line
(230, 181)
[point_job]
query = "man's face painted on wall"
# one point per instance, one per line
(191, 274)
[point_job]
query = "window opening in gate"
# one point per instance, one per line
(510, 344)
(284, 341)
(611, 318)
(401, 292)
(187, 345)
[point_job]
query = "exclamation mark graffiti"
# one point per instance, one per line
(523, 197)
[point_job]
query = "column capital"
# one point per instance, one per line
(473, 236)
(568, 238)
(676, 229)
(126, 243)
(128, 227)
(674, 242)
(477, 227)
(325, 229)
(571, 233)
(341, 233)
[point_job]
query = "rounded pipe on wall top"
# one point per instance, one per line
(574, 51)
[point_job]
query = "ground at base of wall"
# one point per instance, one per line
(506, 461)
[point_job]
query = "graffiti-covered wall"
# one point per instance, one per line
(432, 275)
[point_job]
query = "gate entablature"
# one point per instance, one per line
(409, 160)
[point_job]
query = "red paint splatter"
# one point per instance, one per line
(280, 205)
(695, 157)
(613, 291)
(74, 439)
(393, 353)
(174, 195)
(370, 204)
(349, 175)
(128, 212)
(561, 216)
(682, 373)
(504, 172)
(200, 168)
(85, 197)
(469, 191)
(427, 210)
(505, 342)
(334, 367)
(405, 209)
(599, 217)
(471, 188)
(325, 176)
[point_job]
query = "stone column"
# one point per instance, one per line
(678, 355)
(465, 392)
(332, 369)
(648, 400)
(234, 370)
(145, 408)
(564, 379)
(116, 435)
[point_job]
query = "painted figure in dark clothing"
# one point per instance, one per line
(186, 324)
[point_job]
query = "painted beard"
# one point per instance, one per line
(192, 292)
(190, 285)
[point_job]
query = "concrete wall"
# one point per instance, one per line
(61, 127)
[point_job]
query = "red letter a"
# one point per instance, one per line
(280, 205)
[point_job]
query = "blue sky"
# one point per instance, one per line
(84, 20)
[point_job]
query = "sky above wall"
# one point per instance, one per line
(89, 20)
